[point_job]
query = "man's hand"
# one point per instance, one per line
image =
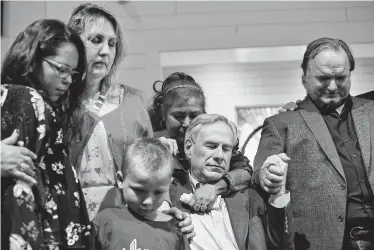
(273, 173)
(291, 106)
(203, 199)
(185, 222)
(16, 161)
(171, 144)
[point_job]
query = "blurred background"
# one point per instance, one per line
(245, 54)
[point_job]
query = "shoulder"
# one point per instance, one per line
(130, 90)
(20, 91)
(282, 119)
(131, 96)
(364, 103)
(108, 214)
(23, 96)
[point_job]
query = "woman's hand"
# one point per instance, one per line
(185, 222)
(171, 144)
(204, 197)
(291, 106)
(16, 161)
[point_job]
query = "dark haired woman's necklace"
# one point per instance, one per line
(99, 102)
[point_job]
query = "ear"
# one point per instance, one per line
(303, 79)
(188, 148)
(119, 178)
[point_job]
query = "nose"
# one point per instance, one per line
(67, 80)
(104, 49)
(332, 86)
(148, 201)
(186, 121)
(218, 156)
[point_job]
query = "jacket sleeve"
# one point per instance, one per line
(271, 142)
(278, 227)
(239, 161)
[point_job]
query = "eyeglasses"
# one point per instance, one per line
(61, 70)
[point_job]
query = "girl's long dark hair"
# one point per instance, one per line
(23, 61)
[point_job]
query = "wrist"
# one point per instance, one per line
(230, 184)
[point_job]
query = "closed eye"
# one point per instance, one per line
(112, 42)
(97, 39)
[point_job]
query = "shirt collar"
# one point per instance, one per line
(309, 105)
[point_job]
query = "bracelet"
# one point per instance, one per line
(230, 184)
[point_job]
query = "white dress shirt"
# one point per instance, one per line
(213, 229)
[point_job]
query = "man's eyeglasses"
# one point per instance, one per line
(61, 70)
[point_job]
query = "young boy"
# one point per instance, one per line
(145, 178)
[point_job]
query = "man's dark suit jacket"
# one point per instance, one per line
(249, 217)
(368, 95)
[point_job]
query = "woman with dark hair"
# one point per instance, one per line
(41, 87)
(179, 100)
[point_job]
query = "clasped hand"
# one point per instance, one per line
(273, 173)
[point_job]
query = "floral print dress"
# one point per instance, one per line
(52, 214)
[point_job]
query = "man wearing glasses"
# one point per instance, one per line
(329, 139)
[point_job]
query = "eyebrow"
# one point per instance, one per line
(94, 34)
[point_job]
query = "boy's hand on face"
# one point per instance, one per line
(171, 144)
(185, 222)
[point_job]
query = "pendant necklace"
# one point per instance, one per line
(99, 102)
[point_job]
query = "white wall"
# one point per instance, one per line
(154, 27)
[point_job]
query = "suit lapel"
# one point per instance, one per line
(239, 218)
(317, 125)
(362, 125)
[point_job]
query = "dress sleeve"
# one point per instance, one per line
(239, 161)
(23, 109)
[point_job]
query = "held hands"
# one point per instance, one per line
(273, 174)
(16, 161)
(171, 144)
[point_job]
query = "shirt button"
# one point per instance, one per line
(354, 156)
(342, 187)
(346, 140)
(362, 180)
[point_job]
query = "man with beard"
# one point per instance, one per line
(329, 139)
